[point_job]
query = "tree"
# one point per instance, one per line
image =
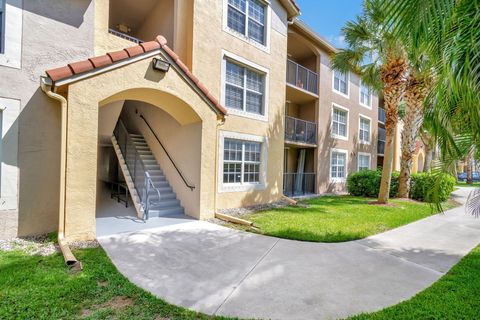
(380, 59)
(417, 89)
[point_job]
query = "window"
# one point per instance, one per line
(244, 89)
(338, 165)
(365, 96)
(363, 161)
(2, 26)
(364, 130)
(339, 123)
(241, 161)
(248, 18)
(340, 82)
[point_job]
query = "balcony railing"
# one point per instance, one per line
(302, 131)
(381, 141)
(381, 115)
(124, 36)
(298, 184)
(302, 77)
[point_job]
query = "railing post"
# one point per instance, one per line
(147, 194)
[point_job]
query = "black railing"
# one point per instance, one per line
(298, 130)
(301, 77)
(381, 115)
(124, 36)
(381, 140)
(298, 184)
(191, 187)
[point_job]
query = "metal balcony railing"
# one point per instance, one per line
(298, 130)
(381, 141)
(302, 77)
(298, 184)
(381, 115)
(124, 36)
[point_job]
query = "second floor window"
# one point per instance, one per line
(365, 96)
(248, 18)
(339, 122)
(340, 82)
(364, 130)
(244, 89)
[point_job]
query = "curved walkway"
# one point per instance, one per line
(217, 270)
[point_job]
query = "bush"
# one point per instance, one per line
(431, 188)
(366, 183)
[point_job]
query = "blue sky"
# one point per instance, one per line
(328, 17)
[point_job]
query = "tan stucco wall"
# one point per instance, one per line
(207, 61)
(137, 81)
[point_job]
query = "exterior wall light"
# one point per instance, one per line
(160, 65)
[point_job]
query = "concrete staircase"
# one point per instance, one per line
(164, 205)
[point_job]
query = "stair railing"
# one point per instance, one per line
(140, 177)
(191, 187)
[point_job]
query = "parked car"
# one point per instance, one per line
(463, 176)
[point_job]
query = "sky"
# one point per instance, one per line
(328, 17)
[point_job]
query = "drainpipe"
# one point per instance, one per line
(219, 124)
(70, 260)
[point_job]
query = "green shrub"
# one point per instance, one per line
(366, 183)
(430, 188)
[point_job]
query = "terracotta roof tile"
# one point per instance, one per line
(113, 57)
(59, 73)
(118, 55)
(81, 66)
(134, 51)
(100, 61)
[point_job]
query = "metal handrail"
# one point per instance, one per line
(307, 183)
(310, 78)
(309, 135)
(191, 187)
(124, 36)
(148, 182)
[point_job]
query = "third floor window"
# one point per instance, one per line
(340, 82)
(248, 18)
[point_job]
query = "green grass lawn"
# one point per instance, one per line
(337, 218)
(36, 287)
(464, 184)
(455, 296)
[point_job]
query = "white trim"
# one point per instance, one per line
(12, 55)
(360, 96)
(245, 38)
(333, 135)
(348, 85)
(330, 165)
(360, 116)
(369, 160)
(242, 187)
(251, 65)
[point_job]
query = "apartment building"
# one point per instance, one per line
(331, 124)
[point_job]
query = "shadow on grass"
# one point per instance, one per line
(302, 235)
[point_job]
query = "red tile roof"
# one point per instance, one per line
(79, 67)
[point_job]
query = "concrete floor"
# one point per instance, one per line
(216, 270)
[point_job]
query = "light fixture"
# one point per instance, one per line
(160, 65)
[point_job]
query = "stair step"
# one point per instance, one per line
(165, 211)
(165, 203)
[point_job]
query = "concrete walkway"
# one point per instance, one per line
(216, 270)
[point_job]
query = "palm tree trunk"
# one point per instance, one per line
(415, 93)
(428, 158)
(393, 75)
(469, 160)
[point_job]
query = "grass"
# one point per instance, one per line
(455, 296)
(338, 218)
(464, 184)
(37, 287)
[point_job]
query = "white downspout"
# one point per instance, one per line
(70, 260)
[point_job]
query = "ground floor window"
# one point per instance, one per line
(363, 161)
(338, 165)
(242, 161)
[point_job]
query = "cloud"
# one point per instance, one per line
(337, 41)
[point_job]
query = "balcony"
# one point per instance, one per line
(298, 184)
(381, 141)
(381, 115)
(301, 77)
(124, 36)
(300, 131)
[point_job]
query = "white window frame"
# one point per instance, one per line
(244, 37)
(251, 65)
(347, 95)
(365, 155)
(359, 128)
(336, 136)
(12, 42)
(360, 96)
(335, 179)
(248, 186)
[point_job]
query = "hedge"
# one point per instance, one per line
(424, 186)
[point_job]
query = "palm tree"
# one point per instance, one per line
(417, 89)
(380, 59)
